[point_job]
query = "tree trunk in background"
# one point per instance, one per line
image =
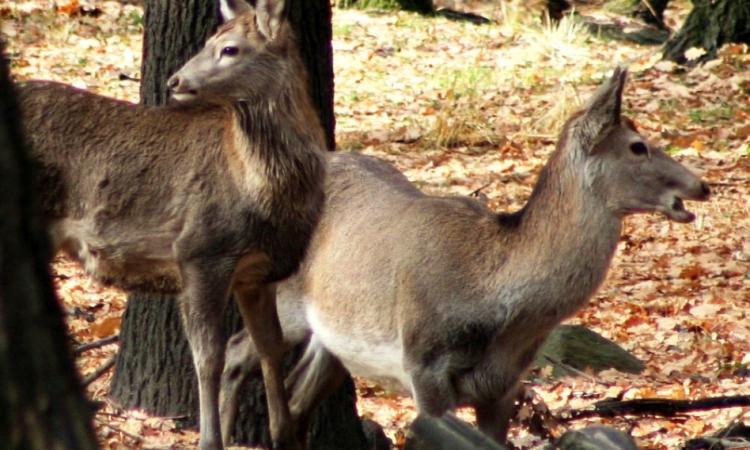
(154, 369)
(311, 20)
(556, 9)
(41, 402)
(174, 31)
(711, 24)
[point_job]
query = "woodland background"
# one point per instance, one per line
(461, 108)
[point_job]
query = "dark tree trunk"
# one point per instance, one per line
(41, 402)
(312, 23)
(556, 9)
(174, 31)
(711, 24)
(154, 368)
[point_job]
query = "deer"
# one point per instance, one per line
(216, 193)
(447, 300)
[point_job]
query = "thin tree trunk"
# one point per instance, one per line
(154, 368)
(41, 402)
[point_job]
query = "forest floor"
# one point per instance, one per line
(458, 108)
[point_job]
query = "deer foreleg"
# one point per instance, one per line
(258, 309)
(203, 300)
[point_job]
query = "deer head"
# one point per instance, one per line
(251, 43)
(621, 167)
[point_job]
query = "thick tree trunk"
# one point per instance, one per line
(174, 31)
(154, 368)
(711, 24)
(41, 403)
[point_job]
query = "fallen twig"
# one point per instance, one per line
(96, 344)
(656, 407)
(99, 372)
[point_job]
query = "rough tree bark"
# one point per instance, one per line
(711, 24)
(154, 368)
(41, 401)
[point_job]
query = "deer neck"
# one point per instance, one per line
(275, 141)
(560, 244)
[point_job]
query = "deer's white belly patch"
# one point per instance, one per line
(379, 361)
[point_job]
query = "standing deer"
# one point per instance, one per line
(448, 299)
(217, 193)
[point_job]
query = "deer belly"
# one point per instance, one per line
(374, 358)
(144, 265)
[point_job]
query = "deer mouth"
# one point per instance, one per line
(676, 211)
(184, 96)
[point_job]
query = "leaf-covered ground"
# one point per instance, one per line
(460, 107)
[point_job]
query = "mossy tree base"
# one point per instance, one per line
(577, 347)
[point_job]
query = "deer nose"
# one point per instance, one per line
(173, 83)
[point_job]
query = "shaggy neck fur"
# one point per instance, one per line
(273, 136)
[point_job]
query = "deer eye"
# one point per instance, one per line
(639, 148)
(230, 51)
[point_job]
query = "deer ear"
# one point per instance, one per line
(604, 108)
(229, 9)
(269, 15)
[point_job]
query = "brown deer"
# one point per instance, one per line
(216, 194)
(447, 299)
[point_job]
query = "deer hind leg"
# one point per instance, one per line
(493, 415)
(203, 301)
(317, 374)
(432, 390)
(258, 308)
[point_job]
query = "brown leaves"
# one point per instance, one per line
(70, 8)
(459, 107)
